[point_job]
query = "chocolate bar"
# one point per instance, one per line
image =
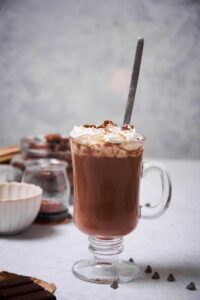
(44, 295)
(14, 281)
(22, 288)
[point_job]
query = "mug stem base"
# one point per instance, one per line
(105, 272)
(105, 267)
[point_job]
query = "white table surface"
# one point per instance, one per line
(170, 244)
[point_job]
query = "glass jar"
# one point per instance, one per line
(51, 176)
(45, 146)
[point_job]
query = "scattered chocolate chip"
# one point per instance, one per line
(155, 276)
(131, 260)
(171, 277)
(114, 285)
(148, 205)
(191, 286)
(148, 269)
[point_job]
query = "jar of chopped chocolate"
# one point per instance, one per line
(45, 146)
(51, 176)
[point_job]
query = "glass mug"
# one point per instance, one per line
(106, 206)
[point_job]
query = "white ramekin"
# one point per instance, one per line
(19, 206)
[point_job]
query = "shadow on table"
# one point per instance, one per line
(184, 271)
(34, 232)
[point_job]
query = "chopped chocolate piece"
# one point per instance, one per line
(114, 285)
(15, 281)
(148, 205)
(148, 269)
(53, 138)
(155, 276)
(44, 295)
(105, 123)
(20, 290)
(89, 126)
(131, 260)
(171, 277)
(191, 286)
(108, 122)
(57, 143)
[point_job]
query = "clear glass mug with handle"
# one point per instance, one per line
(106, 202)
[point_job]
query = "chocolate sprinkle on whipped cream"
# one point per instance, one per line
(106, 135)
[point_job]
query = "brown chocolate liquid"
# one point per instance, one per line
(106, 194)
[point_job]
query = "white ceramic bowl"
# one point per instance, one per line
(19, 206)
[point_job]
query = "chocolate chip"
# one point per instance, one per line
(148, 269)
(155, 276)
(131, 260)
(148, 205)
(114, 285)
(191, 286)
(171, 277)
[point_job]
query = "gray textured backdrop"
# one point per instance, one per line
(66, 62)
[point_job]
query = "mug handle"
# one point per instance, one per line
(148, 212)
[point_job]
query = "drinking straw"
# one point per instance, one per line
(134, 81)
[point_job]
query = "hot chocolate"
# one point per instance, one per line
(107, 163)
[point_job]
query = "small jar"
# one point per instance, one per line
(45, 146)
(51, 176)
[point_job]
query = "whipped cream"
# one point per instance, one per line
(108, 132)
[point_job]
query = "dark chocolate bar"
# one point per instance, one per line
(20, 290)
(44, 295)
(15, 281)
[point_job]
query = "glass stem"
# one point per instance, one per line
(105, 249)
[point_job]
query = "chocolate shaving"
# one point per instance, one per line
(108, 122)
(171, 277)
(191, 286)
(127, 127)
(148, 269)
(131, 260)
(114, 285)
(155, 276)
(89, 126)
(104, 125)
